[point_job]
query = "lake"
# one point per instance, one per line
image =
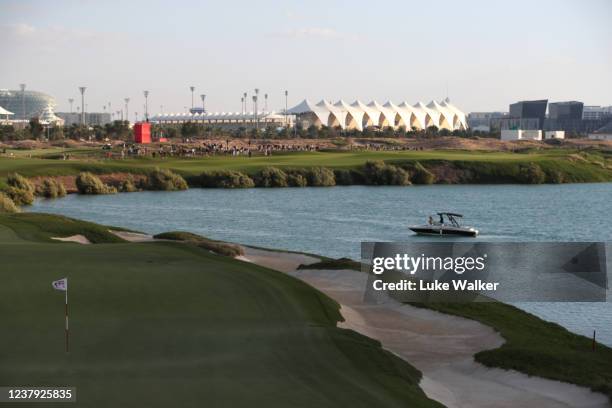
(333, 221)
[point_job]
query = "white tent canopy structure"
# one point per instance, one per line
(359, 115)
(5, 112)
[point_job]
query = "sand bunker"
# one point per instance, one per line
(79, 239)
(440, 345)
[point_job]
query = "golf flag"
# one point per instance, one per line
(61, 284)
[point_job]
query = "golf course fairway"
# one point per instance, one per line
(162, 324)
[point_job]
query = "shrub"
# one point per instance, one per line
(271, 177)
(380, 173)
(165, 180)
(226, 179)
(128, 185)
(320, 177)
(19, 196)
(555, 177)
(420, 175)
(531, 174)
(88, 183)
(7, 205)
(343, 177)
(296, 180)
(51, 188)
(20, 182)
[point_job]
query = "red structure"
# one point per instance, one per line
(142, 132)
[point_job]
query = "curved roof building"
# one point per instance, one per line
(34, 103)
(359, 115)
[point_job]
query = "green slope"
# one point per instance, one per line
(169, 324)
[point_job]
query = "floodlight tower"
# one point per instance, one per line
(70, 101)
(255, 113)
(127, 110)
(192, 88)
(146, 95)
(286, 117)
(82, 90)
(23, 87)
(242, 105)
(203, 97)
(265, 102)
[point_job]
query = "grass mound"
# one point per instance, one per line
(43, 227)
(218, 247)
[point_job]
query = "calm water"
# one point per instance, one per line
(333, 221)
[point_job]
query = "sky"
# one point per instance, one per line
(484, 55)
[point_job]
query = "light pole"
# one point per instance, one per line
(265, 102)
(203, 103)
(135, 117)
(161, 109)
(146, 95)
(82, 90)
(192, 88)
(286, 113)
(256, 110)
(255, 114)
(23, 114)
(70, 101)
(242, 105)
(127, 110)
(246, 101)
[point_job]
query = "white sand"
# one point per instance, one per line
(79, 239)
(441, 346)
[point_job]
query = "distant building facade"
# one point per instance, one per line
(596, 112)
(25, 104)
(91, 118)
(481, 121)
(530, 110)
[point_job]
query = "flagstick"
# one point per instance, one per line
(67, 332)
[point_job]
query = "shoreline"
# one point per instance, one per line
(442, 346)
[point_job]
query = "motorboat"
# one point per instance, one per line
(447, 224)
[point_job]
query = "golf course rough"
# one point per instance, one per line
(168, 324)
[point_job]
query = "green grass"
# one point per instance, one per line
(167, 324)
(588, 168)
(340, 263)
(536, 347)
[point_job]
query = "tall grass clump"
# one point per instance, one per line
(226, 179)
(51, 188)
(271, 177)
(531, 174)
(420, 175)
(382, 174)
(7, 205)
(20, 190)
(296, 180)
(165, 180)
(320, 177)
(88, 183)
(218, 247)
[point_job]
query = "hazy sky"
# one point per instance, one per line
(486, 53)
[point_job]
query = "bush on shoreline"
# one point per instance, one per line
(226, 179)
(420, 175)
(20, 190)
(320, 177)
(87, 183)
(271, 177)
(7, 205)
(51, 188)
(379, 173)
(165, 180)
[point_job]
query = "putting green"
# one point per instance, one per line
(168, 324)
